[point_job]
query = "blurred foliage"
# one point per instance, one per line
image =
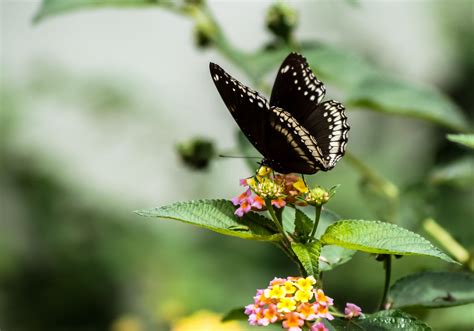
(197, 153)
(92, 266)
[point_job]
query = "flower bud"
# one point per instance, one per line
(281, 20)
(317, 196)
(196, 153)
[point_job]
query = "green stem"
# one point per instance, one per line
(388, 271)
(285, 245)
(450, 244)
(316, 221)
(276, 221)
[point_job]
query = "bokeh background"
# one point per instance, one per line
(94, 103)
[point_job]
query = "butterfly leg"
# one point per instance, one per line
(304, 180)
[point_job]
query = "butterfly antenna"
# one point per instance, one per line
(239, 156)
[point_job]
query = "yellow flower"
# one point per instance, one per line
(289, 287)
(276, 292)
(264, 171)
(303, 295)
(286, 305)
(205, 321)
(300, 186)
(306, 284)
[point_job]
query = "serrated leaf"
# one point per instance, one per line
(331, 256)
(396, 97)
(433, 289)
(386, 320)
(458, 173)
(218, 216)
(380, 238)
(236, 314)
(308, 254)
(55, 7)
(463, 139)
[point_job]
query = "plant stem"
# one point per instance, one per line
(388, 271)
(450, 244)
(316, 222)
(276, 221)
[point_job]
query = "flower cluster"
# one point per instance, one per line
(279, 189)
(295, 301)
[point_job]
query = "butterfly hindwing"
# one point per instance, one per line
(296, 89)
(328, 125)
(292, 148)
(247, 106)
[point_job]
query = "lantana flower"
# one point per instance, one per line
(294, 301)
(352, 310)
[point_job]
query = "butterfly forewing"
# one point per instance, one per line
(247, 106)
(296, 89)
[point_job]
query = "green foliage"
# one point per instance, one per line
(236, 314)
(303, 225)
(463, 139)
(379, 238)
(55, 7)
(333, 256)
(433, 289)
(308, 254)
(396, 97)
(457, 173)
(366, 85)
(217, 216)
(384, 320)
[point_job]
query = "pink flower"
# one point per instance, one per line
(258, 202)
(322, 311)
(245, 201)
(243, 182)
(319, 327)
(242, 197)
(352, 310)
(279, 203)
(245, 207)
(250, 309)
(293, 322)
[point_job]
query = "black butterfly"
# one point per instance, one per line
(294, 132)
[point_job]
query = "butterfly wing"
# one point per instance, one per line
(247, 106)
(296, 88)
(327, 124)
(292, 147)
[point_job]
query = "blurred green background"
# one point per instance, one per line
(93, 104)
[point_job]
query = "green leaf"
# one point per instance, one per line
(308, 254)
(463, 139)
(433, 289)
(385, 320)
(236, 314)
(379, 238)
(342, 67)
(55, 7)
(458, 173)
(396, 97)
(218, 216)
(333, 256)
(303, 224)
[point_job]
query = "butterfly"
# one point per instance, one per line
(294, 131)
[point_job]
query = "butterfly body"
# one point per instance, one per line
(294, 131)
